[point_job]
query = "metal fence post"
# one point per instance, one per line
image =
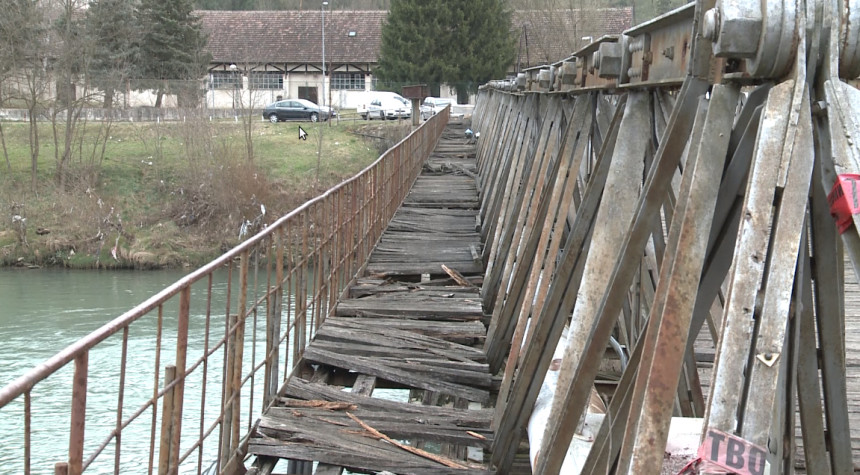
(179, 389)
(78, 415)
(239, 350)
(167, 402)
(227, 408)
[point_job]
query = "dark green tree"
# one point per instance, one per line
(463, 43)
(172, 57)
(115, 38)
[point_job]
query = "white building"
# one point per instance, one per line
(260, 56)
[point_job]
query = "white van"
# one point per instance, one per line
(385, 105)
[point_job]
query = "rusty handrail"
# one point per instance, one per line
(315, 251)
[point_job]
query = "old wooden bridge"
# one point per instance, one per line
(634, 264)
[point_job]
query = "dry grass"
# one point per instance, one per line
(171, 194)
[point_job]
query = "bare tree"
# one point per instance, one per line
(23, 34)
(70, 64)
(245, 101)
(5, 71)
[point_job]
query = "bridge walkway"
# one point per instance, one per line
(413, 322)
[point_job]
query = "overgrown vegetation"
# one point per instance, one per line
(171, 194)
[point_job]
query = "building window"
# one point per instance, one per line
(347, 81)
(267, 80)
(226, 80)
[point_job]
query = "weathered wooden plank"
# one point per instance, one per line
(282, 420)
(434, 268)
(299, 388)
(429, 308)
(466, 332)
(372, 367)
(364, 345)
(392, 337)
(358, 459)
(369, 286)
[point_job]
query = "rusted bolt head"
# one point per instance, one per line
(738, 25)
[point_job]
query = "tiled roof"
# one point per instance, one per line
(292, 36)
(295, 36)
(554, 35)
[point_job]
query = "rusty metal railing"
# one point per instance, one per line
(276, 289)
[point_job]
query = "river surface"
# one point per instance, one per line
(43, 311)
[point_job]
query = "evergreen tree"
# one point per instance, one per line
(116, 39)
(171, 51)
(463, 43)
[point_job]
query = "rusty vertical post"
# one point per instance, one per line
(239, 349)
(227, 404)
(302, 290)
(179, 389)
(273, 324)
(376, 189)
(203, 401)
(27, 431)
(79, 413)
(61, 468)
(320, 281)
(166, 422)
(226, 386)
(156, 378)
(120, 399)
(290, 305)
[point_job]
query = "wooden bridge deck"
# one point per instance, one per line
(408, 325)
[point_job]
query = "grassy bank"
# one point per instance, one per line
(167, 194)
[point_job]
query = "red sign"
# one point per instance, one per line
(733, 453)
(844, 199)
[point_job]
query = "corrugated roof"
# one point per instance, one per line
(292, 36)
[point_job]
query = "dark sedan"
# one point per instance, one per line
(296, 109)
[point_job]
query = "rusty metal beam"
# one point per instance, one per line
(668, 327)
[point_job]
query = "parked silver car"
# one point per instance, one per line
(432, 105)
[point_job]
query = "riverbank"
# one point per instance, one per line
(168, 194)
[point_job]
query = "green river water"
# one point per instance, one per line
(43, 311)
